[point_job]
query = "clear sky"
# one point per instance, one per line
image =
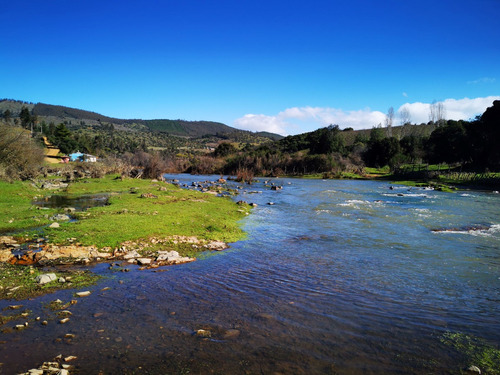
(281, 66)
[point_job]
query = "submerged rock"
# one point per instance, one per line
(203, 333)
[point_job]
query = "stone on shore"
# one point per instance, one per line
(54, 225)
(132, 255)
(45, 278)
(143, 261)
(172, 257)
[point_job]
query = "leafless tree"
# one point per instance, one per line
(405, 116)
(389, 119)
(437, 113)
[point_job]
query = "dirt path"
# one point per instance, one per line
(51, 152)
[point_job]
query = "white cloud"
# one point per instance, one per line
(455, 109)
(298, 120)
(405, 94)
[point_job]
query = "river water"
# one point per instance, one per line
(335, 277)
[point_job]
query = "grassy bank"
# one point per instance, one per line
(18, 282)
(138, 211)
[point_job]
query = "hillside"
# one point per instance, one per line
(78, 118)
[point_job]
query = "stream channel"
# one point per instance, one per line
(334, 277)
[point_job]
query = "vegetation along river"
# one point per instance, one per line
(337, 276)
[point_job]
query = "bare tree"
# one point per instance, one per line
(437, 113)
(389, 119)
(440, 113)
(405, 116)
(432, 112)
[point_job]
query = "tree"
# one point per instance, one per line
(25, 117)
(389, 121)
(437, 113)
(449, 144)
(7, 115)
(224, 149)
(63, 140)
(20, 156)
(405, 116)
(326, 140)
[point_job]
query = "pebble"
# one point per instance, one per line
(83, 294)
(63, 321)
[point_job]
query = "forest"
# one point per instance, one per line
(464, 145)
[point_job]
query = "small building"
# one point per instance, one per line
(89, 158)
(78, 156)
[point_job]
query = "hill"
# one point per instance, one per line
(77, 118)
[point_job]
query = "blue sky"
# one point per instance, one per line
(281, 66)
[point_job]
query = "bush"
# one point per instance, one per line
(20, 156)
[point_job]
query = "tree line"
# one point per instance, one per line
(330, 150)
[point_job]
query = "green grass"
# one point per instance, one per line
(18, 282)
(16, 210)
(131, 217)
(475, 351)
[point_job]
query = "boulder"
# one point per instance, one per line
(143, 261)
(54, 225)
(45, 278)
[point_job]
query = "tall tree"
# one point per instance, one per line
(389, 119)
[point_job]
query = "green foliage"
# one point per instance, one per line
(224, 149)
(63, 139)
(475, 351)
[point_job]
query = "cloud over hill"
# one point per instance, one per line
(294, 120)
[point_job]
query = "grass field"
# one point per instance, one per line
(138, 210)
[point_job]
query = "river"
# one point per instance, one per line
(334, 277)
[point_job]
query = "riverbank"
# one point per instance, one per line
(146, 222)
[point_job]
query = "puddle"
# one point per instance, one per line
(80, 203)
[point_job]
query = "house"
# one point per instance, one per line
(89, 158)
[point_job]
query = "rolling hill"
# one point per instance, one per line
(78, 118)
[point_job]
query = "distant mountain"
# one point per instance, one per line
(76, 118)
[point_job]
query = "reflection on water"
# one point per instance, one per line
(336, 277)
(79, 203)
